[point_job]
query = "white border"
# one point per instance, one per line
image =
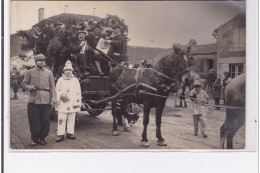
(182, 161)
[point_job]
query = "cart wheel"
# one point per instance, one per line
(88, 106)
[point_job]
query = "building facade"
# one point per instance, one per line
(231, 46)
(205, 57)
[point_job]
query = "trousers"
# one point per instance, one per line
(39, 120)
(66, 119)
(199, 120)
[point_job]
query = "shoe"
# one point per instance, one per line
(185, 106)
(14, 98)
(178, 106)
(205, 135)
(35, 142)
(60, 138)
(195, 134)
(101, 74)
(71, 136)
(42, 142)
(86, 73)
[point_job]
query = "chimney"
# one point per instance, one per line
(40, 14)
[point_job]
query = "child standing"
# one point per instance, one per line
(68, 102)
(199, 97)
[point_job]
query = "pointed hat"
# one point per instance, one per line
(68, 65)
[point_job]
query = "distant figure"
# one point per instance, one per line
(15, 76)
(199, 97)
(211, 77)
(217, 91)
(68, 102)
(182, 97)
(226, 81)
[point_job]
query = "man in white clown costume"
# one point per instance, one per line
(68, 102)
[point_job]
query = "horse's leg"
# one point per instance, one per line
(236, 124)
(144, 141)
(158, 120)
(223, 135)
(124, 116)
(114, 113)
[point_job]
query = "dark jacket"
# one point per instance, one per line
(117, 51)
(216, 92)
(92, 41)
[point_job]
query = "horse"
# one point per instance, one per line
(235, 118)
(210, 79)
(150, 87)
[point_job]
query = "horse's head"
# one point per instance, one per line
(181, 64)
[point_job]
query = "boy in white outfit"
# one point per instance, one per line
(68, 102)
(199, 97)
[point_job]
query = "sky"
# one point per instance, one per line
(151, 24)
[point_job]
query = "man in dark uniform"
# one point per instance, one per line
(15, 75)
(182, 97)
(93, 39)
(40, 82)
(79, 48)
(117, 51)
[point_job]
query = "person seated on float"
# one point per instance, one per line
(117, 51)
(79, 49)
(92, 39)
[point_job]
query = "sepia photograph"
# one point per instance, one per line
(128, 75)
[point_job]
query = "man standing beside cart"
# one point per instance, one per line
(39, 81)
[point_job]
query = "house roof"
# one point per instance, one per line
(241, 17)
(205, 49)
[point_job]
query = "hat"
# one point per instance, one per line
(68, 66)
(81, 32)
(177, 45)
(116, 26)
(196, 83)
(39, 57)
(95, 26)
(226, 72)
(109, 30)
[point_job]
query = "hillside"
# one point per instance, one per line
(152, 55)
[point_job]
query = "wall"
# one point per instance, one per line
(231, 44)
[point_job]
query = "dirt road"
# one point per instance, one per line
(96, 132)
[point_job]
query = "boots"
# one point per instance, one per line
(15, 97)
(60, 138)
(71, 136)
(185, 105)
(99, 68)
(180, 104)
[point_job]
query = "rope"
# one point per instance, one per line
(227, 107)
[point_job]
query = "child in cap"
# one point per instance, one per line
(68, 102)
(199, 97)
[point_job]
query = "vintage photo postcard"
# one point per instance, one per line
(132, 75)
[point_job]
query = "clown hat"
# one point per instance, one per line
(68, 66)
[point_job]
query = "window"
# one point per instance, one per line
(235, 69)
(237, 40)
